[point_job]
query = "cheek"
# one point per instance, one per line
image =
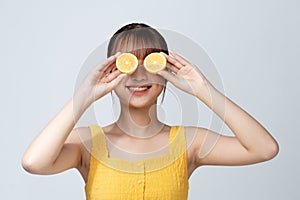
(160, 89)
(159, 86)
(159, 83)
(159, 80)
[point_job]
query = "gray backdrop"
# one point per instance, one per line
(254, 45)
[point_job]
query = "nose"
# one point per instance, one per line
(140, 73)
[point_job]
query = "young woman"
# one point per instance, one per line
(138, 156)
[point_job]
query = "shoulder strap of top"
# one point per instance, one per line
(98, 141)
(173, 132)
(177, 140)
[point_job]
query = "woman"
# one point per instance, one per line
(127, 159)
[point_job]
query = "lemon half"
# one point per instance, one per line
(155, 62)
(127, 63)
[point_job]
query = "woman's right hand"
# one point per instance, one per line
(100, 80)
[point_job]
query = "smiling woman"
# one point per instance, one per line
(138, 156)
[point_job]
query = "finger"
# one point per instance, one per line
(180, 59)
(173, 61)
(169, 76)
(111, 76)
(111, 68)
(108, 62)
(172, 67)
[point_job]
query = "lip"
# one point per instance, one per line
(138, 93)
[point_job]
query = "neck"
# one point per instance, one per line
(139, 122)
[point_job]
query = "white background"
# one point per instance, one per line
(254, 45)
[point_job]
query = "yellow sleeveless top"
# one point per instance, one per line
(162, 177)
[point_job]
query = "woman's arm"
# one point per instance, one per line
(252, 142)
(51, 152)
(58, 146)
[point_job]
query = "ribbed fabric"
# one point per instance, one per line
(163, 177)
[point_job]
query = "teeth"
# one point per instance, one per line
(138, 88)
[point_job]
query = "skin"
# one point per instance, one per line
(60, 146)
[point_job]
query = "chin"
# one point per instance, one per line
(143, 101)
(140, 105)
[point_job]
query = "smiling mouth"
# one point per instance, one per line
(139, 88)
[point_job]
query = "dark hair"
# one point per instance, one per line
(139, 39)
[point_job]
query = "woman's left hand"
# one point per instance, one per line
(185, 76)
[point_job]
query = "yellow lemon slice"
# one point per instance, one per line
(127, 63)
(155, 62)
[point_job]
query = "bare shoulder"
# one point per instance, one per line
(81, 137)
(200, 141)
(194, 136)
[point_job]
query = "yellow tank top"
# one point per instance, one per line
(162, 177)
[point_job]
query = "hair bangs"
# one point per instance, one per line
(140, 42)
